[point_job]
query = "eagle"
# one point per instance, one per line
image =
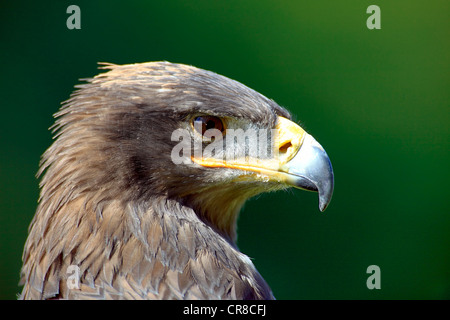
(142, 187)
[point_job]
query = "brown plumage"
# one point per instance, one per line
(113, 203)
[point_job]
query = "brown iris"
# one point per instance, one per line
(205, 123)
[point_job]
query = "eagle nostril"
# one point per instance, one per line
(285, 147)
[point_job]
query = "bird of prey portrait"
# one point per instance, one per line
(135, 204)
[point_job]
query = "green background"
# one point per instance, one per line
(377, 100)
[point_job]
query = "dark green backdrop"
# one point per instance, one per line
(377, 100)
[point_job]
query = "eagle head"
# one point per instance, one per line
(144, 182)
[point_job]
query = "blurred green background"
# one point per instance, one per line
(377, 100)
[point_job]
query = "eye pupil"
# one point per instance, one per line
(210, 124)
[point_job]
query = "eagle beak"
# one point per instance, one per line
(310, 169)
(304, 161)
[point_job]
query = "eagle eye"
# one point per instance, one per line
(204, 123)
